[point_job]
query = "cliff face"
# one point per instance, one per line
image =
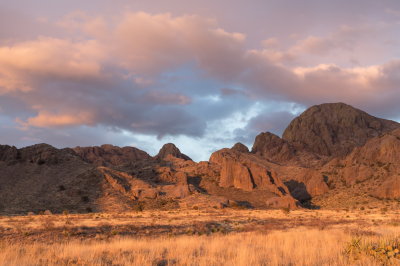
(245, 171)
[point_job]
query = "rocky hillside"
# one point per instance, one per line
(109, 178)
(109, 155)
(331, 156)
(373, 169)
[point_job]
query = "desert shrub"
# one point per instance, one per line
(384, 251)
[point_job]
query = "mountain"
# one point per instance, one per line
(314, 144)
(331, 156)
(335, 129)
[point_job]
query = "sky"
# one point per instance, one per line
(201, 74)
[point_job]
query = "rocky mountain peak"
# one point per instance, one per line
(240, 147)
(171, 149)
(334, 129)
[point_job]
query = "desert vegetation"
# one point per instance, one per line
(203, 237)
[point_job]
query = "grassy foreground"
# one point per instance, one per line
(194, 238)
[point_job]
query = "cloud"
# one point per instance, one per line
(274, 122)
(45, 119)
(24, 63)
(163, 75)
(161, 97)
(345, 38)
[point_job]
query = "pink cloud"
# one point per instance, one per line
(47, 57)
(142, 46)
(46, 119)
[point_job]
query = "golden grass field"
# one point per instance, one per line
(203, 237)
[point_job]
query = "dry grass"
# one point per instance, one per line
(199, 238)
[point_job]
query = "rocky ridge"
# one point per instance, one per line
(327, 155)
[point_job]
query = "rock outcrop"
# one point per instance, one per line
(246, 172)
(334, 129)
(270, 146)
(240, 148)
(376, 165)
(170, 149)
